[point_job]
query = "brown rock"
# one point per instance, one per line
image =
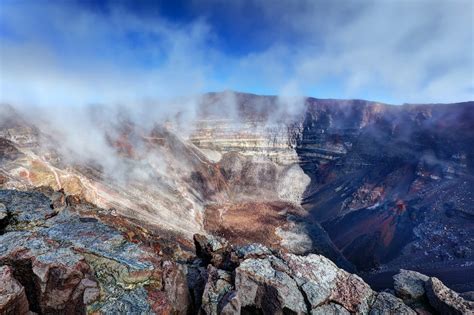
(176, 287)
(58, 200)
(230, 304)
(12, 294)
(73, 200)
(52, 277)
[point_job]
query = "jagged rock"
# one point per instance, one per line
(409, 285)
(27, 209)
(230, 304)
(252, 251)
(12, 294)
(260, 286)
(73, 200)
(445, 300)
(278, 283)
(330, 308)
(219, 283)
(387, 304)
(53, 276)
(215, 250)
(322, 280)
(176, 287)
(58, 200)
(72, 264)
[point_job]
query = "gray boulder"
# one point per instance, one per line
(410, 285)
(387, 304)
(446, 301)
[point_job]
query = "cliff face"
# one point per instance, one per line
(157, 178)
(392, 185)
(367, 185)
(386, 182)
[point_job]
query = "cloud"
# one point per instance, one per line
(67, 55)
(405, 51)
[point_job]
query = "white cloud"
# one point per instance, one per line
(412, 51)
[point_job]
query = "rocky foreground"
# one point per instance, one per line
(60, 255)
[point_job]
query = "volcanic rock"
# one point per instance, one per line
(219, 283)
(12, 294)
(410, 285)
(445, 300)
(214, 250)
(386, 303)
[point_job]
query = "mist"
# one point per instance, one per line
(79, 73)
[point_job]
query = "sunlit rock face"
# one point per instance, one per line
(257, 126)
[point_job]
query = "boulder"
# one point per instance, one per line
(330, 308)
(230, 304)
(254, 250)
(410, 285)
(387, 304)
(445, 300)
(219, 283)
(215, 250)
(261, 286)
(12, 294)
(176, 287)
(322, 281)
(54, 277)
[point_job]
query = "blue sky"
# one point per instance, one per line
(75, 52)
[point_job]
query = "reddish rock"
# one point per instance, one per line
(176, 287)
(159, 302)
(54, 278)
(13, 299)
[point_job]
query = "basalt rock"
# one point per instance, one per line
(12, 294)
(386, 303)
(215, 250)
(71, 263)
(410, 285)
(219, 284)
(55, 278)
(429, 294)
(273, 282)
(276, 283)
(445, 300)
